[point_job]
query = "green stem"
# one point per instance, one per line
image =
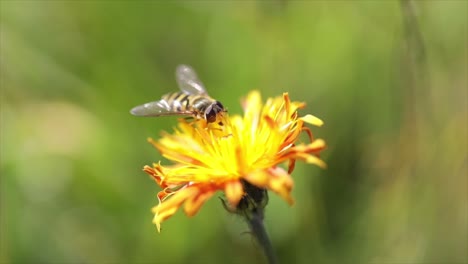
(252, 207)
(258, 230)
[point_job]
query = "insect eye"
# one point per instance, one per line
(211, 116)
(218, 104)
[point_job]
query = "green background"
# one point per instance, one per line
(388, 79)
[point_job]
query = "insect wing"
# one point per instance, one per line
(188, 80)
(157, 108)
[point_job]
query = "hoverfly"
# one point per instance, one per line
(192, 100)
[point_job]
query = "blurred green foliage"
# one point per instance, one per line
(389, 80)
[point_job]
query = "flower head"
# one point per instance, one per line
(245, 149)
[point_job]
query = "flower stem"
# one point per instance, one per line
(252, 207)
(258, 230)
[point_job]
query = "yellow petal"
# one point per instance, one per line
(258, 178)
(252, 107)
(315, 146)
(193, 204)
(318, 144)
(159, 217)
(168, 208)
(234, 192)
(310, 119)
(311, 159)
(281, 183)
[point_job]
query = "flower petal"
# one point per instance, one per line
(281, 183)
(258, 178)
(193, 204)
(153, 172)
(311, 159)
(159, 217)
(310, 119)
(313, 147)
(234, 192)
(169, 207)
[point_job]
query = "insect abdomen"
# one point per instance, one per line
(200, 103)
(180, 101)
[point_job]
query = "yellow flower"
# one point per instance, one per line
(245, 149)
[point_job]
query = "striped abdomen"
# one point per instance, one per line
(182, 102)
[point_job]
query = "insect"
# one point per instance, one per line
(192, 100)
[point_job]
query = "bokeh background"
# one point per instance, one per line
(389, 78)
